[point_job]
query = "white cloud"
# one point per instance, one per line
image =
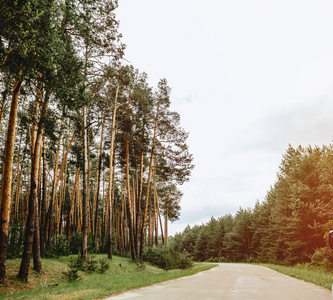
(247, 77)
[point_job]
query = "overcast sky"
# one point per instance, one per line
(247, 77)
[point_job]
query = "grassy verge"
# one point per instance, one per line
(122, 275)
(307, 273)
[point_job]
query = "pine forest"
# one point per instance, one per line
(90, 153)
(289, 227)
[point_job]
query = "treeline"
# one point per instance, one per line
(290, 226)
(87, 147)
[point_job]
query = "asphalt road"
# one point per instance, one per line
(229, 282)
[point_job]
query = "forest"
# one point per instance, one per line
(90, 153)
(289, 227)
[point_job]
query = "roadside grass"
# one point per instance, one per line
(122, 275)
(316, 275)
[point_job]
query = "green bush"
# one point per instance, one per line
(184, 261)
(72, 275)
(79, 263)
(167, 258)
(323, 257)
(223, 259)
(57, 247)
(90, 265)
(212, 259)
(75, 242)
(104, 265)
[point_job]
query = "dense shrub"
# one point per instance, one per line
(72, 275)
(90, 265)
(323, 257)
(75, 242)
(104, 265)
(57, 247)
(167, 258)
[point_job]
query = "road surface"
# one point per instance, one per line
(230, 282)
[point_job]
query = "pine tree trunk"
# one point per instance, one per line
(155, 212)
(109, 198)
(6, 182)
(166, 227)
(36, 245)
(144, 217)
(54, 191)
(33, 202)
(17, 180)
(85, 207)
(159, 216)
(134, 210)
(72, 212)
(128, 198)
(138, 212)
(43, 204)
(149, 226)
(30, 224)
(99, 176)
(17, 195)
(90, 207)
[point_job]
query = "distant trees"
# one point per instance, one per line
(287, 227)
(92, 155)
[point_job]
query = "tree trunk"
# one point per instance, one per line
(16, 179)
(99, 175)
(155, 212)
(30, 225)
(138, 212)
(36, 245)
(149, 225)
(6, 182)
(33, 200)
(109, 198)
(159, 217)
(85, 206)
(128, 198)
(43, 204)
(144, 218)
(54, 191)
(72, 212)
(166, 227)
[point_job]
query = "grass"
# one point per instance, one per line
(122, 275)
(316, 275)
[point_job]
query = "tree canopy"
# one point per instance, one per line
(288, 227)
(93, 154)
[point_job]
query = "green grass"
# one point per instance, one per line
(316, 275)
(122, 275)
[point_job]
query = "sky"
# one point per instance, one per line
(247, 77)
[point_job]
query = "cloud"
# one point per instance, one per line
(302, 124)
(247, 77)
